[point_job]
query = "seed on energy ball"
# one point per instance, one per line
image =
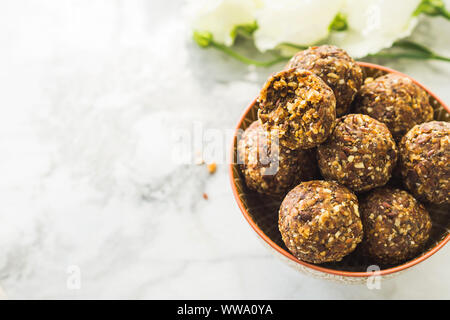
(298, 107)
(319, 221)
(334, 66)
(425, 161)
(360, 153)
(396, 101)
(396, 226)
(269, 168)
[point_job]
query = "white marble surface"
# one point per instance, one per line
(91, 93)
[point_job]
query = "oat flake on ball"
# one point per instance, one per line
(396, 101)
(319, 221)
(299, 107)
(359, 154)
(425, 161)
(269, 168)
(396, 226)
(334, 66)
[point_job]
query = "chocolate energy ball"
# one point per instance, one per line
(299, 107)
(396, 101)
(425, 161)
(396, 226)
(336, 68)
(270, 168)
(319, 221)
(360, 153)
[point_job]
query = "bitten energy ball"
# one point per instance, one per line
(319, 221)
(299, 107)
(269, 168)
(425, 161)
(396, 226)
(360, 153)
(336, 68)
(396, 101)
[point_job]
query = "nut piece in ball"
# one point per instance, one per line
(396, 101)
(299, 107)
(360, 153)
(269, 168)
(336, 68)
(396, 226)
(425, 161)
(319, 221)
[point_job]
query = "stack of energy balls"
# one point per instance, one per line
(318, 115)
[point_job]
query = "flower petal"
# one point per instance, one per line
(375, 25)
(302, 22)
(221, 17)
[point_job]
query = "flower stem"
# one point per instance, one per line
(239, 57)
(413, 51)
(293, 45)
(407, 55)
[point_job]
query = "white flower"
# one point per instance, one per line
(374, 25)
(301, 22)
(221, 17)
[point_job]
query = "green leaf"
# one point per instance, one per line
(203, 38)
(432, 8)
(339, 23)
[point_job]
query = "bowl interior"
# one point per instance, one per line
(262, 211)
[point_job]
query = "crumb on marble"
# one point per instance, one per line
(212, 167)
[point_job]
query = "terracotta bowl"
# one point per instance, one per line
(262, 213)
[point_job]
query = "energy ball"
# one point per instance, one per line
(396, 226)
(425, 161)
(269, 168)
(336, 68)
(319, 221)
(396, 101)
(299, 107)
(360, 153)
